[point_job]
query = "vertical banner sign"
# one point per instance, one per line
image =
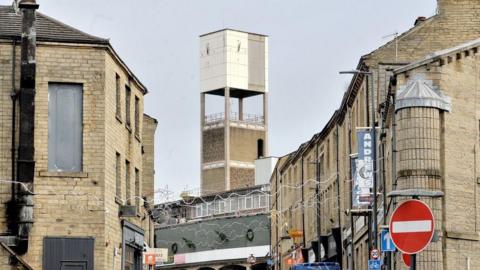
(363, 168)
(355, 188)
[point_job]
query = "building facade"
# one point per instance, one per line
(312, 186)
(219, 231)
(73, 172)
(234, 66)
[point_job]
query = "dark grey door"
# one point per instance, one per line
(64, 253)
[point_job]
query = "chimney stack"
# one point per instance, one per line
(420, 20)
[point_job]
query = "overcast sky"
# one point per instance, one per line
(310, 41)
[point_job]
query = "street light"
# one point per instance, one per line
(369, 84)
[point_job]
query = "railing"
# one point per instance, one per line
(235, 117)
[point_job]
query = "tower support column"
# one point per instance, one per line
(227, 138)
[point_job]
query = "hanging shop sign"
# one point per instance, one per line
(363, 176)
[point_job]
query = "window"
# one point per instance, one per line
(132, 258)
(260, 148)
(118, 177)
(264, 201)
(220, 207)
(65, 116)
(210, 209)
(118, 97)
(233, 204)
(241, 203)
(248, 202)
(137, 116)
(256, 201)
(128, 94)
(127, 182)
(198, 209)
(137, 188)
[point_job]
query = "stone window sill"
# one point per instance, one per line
(137, 137)
(129, 128)
(63, 174)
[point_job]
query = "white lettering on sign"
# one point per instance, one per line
(412, 226)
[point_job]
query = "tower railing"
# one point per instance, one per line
(215, 118)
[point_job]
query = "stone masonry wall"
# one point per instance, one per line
(75, 204)
(240, 178)
(213, 145)
(60, 199)
(148, 142)
(418, 145)
(243, 143)
(123, 140)
(459, 80)
(213, 180)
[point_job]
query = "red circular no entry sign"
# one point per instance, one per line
(412, 226)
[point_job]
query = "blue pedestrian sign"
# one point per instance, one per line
(374, 265)
(387, 243)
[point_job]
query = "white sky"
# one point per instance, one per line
(310, 41)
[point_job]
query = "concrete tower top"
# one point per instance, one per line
(234, 59)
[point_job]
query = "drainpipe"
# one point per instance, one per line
(303, 206)
(13, 95)
(338, 197)
(26, 162)
(318, 197)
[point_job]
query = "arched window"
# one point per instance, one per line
(259, 148)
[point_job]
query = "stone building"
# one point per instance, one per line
(327, 158)
(76, 149)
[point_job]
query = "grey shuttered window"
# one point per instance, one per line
(118, 96)
(128, 96)
(65, 118)
(137, 116)
(118, 176)
(127, 183)
(137, 188)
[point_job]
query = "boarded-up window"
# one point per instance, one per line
(127, 182)
(128, 95)
(118, 96)
(68, 253)
(118, 176)
(137, 116)
(65, 114)
(137, 188)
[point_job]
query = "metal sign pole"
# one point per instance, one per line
(413, 262)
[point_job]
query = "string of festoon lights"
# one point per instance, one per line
(192, 202)
(229, 231)
(218, 197)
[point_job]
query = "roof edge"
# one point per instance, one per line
(231, 29)
(430, 58)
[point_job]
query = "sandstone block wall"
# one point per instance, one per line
(77, 204)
